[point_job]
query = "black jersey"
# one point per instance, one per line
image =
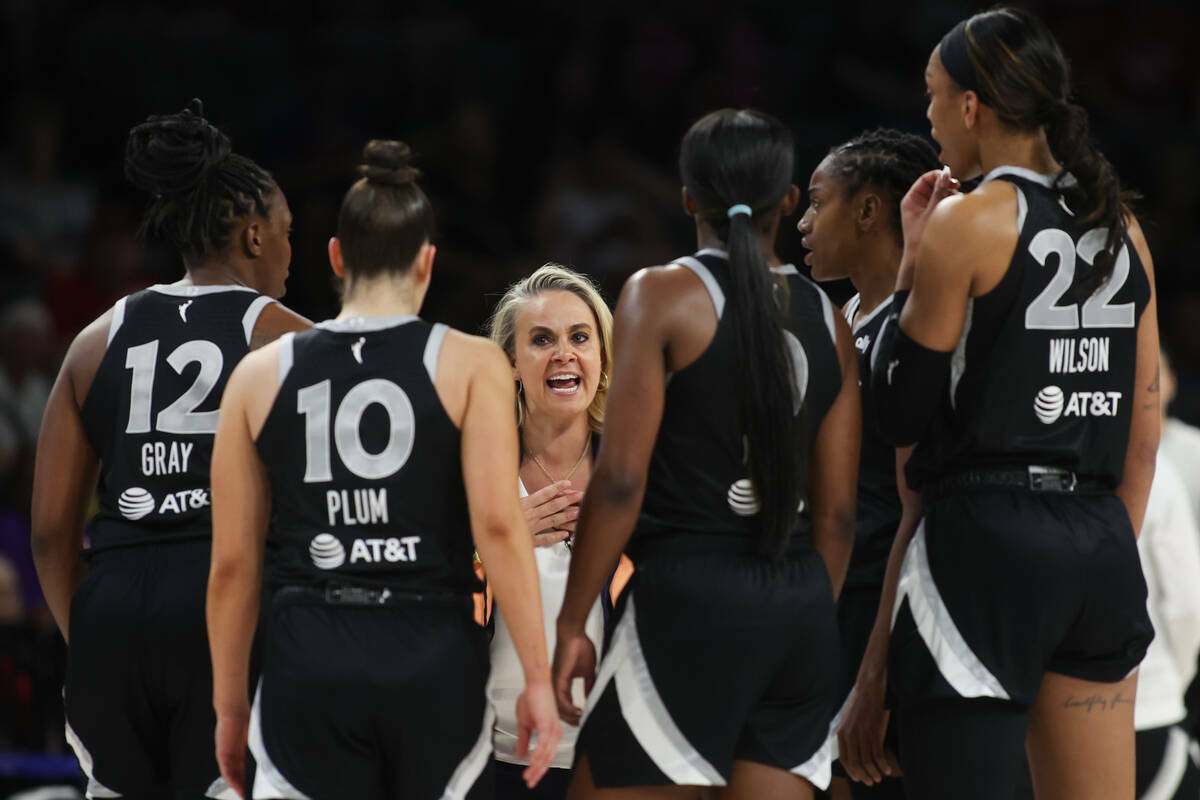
(698, 481)
(878, 510)
(365, 465)
(151, 411)
(1041, 375)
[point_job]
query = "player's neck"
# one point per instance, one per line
(875, 278)
(382, 296)
(215, 273)
(1029, 151)
(707, 238)
(556, 441)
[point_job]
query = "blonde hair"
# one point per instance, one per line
(550, 277)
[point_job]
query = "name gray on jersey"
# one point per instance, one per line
(161, 458)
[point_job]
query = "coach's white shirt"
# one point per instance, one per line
(1169, 548)
(508, 679)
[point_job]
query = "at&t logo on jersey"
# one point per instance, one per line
(1051, 404)
(135, 503)
(329, 553)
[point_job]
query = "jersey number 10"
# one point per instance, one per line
(1044, 313)
(315, 404)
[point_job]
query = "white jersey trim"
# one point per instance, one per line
(958, 361)
(852, 308)
(268, 780)
(469, 769)
(365, 324)
(827, 308)
(876, 311)
(961, 668)
(95, 788)
(118, 319)
(644, 710)
(181, 290)
(1022, 209)
(785, 269)
(1029, 175)
(287, 355)
(433, 348)
(710, 283)
(250, 318)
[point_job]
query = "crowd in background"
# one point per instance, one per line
(546, 131)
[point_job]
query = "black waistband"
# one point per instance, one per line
(1033, 478)
(340, 594)
(658, 545)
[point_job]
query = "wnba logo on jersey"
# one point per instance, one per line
(1051, 404)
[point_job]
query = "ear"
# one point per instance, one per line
(787, 206)
(251, 238)
(424, 264)
(689, 202)
(335, 257)
(970, 108)
(870, 207)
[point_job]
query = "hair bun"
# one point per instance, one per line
(387, 163)
(171, 153)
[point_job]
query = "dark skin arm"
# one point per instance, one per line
(65, 475)
(833, 467)
(664, 321)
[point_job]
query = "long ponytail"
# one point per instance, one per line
(745, 157)
(1014, 64)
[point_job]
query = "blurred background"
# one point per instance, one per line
(546, 130)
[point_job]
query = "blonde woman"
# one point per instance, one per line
(557, 332)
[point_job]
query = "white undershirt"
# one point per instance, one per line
(1169, 548)
(508, 679)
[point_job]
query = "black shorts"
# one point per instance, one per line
(372, 701)
(139, 680)
(713, 658)
(1000, 586)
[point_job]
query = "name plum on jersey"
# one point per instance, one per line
(357, 506)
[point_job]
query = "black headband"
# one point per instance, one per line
(956, 60)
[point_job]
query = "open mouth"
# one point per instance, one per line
(564, 383)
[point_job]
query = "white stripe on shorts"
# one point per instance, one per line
(220, 790)
(644, 710)
(268, 780)
(961, 668)
(818, 769)
(94, 788)
(468, 770)
(1172, 768)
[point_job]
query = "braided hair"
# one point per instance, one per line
(887, 160)
(385, 217)
(198, 186)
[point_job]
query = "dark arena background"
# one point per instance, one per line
(546, 131)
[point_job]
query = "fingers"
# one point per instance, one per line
(543, 754)
(523, 732)
(567, 710)
(550, 538)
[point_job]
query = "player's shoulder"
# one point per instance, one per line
(469, 350)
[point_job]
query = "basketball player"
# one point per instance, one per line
(852, 228)
(1021, 354)
(375, 443)
(135, 405)
(734, 403)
